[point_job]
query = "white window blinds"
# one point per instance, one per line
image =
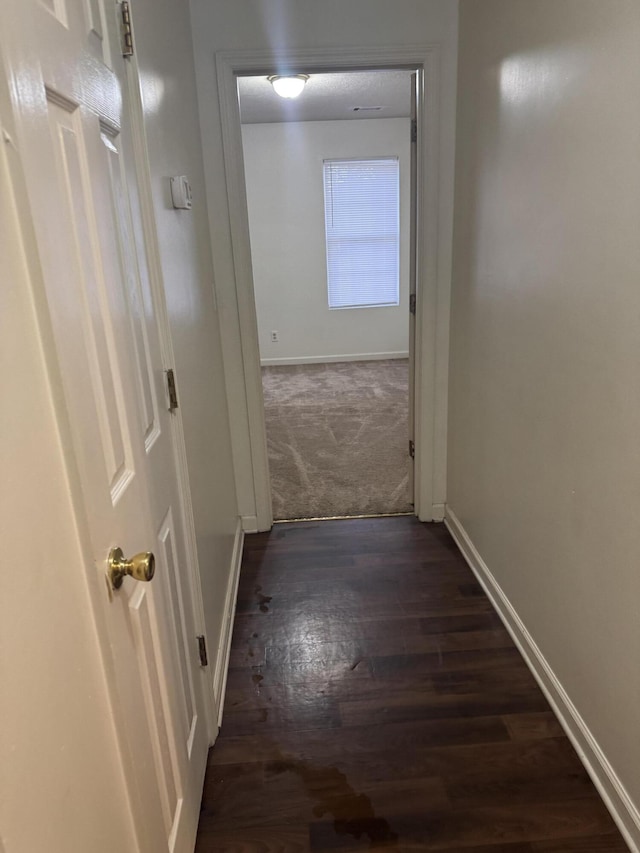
(361, 204)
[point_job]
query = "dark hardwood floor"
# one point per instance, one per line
(375, 701)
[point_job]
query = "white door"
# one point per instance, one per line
(70, 100)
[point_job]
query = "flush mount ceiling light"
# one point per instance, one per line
(290, 86)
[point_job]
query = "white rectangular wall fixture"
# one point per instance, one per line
(181, 193)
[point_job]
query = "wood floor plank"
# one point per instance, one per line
(470, 828)
(609, 843)
(531, 726)
(375, 701)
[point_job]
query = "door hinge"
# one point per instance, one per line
(412, 449)
(412, 303)
(414, 129)
(171, 390)
(202, 651)
(127, 33)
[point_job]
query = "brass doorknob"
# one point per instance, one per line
(141, 567)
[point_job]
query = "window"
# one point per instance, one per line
(361, 206)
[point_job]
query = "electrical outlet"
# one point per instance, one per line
(274, 337)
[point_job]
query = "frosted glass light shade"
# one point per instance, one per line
(289, 87)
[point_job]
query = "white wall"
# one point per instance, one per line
(285, 196)
(165, 57)
(544, 466)
(276, 25)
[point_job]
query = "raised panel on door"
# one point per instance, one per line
(57, 8)
(145, 628)
(91, 22)
(88, 301)
(92, 12)
(147, 391)
(182, 641)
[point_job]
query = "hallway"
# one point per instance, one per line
(374, 697)
(375, 701)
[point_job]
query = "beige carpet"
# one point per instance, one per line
(337, 437)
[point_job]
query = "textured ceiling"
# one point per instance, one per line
(328, 97)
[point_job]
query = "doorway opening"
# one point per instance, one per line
(331, 190)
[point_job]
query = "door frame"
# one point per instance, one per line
(431, 348)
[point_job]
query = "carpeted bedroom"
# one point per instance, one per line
(337, 437)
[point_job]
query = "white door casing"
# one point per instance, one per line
(69, 96)
(413, 272)
(430, 349)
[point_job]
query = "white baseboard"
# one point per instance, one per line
(434, 512)
(437, 512)
(623, 810)
(249, 523)
(322, 359)
(222, 659)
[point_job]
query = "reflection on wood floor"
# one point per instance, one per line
(375, 701)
